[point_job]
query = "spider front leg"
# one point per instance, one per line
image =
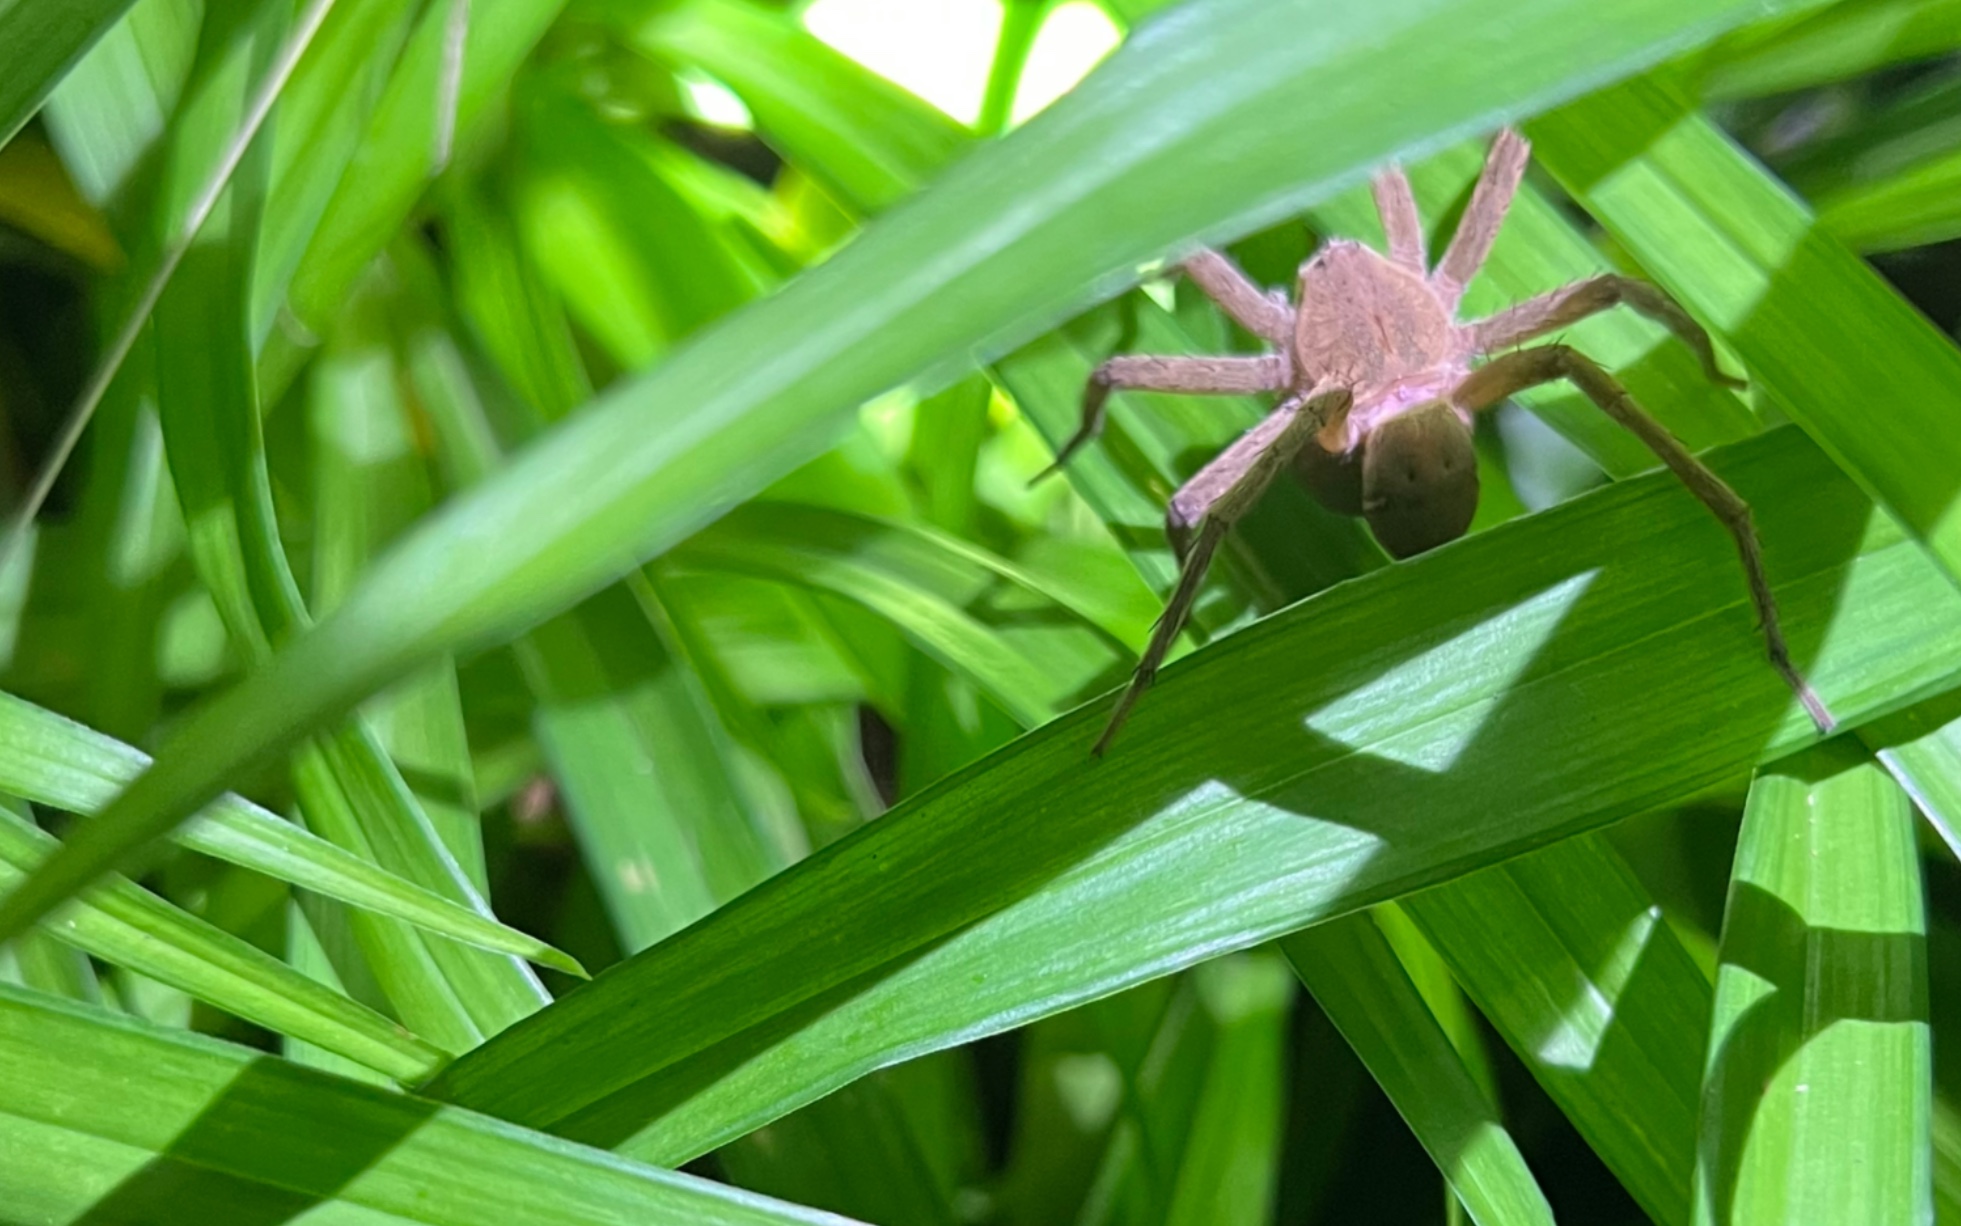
(1569, 304)
(1190, 376)
(1514, 372)
(1205, 508)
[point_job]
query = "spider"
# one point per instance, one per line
(1378, 385)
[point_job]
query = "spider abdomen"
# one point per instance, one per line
(1414, 479)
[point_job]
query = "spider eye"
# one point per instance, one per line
(1419, 480)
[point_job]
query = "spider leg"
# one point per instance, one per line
(1569, 304)
(1401, 223)
(1206, 508)
(1191, 376)
(1265, 315)
(1490, 201)
(1504, 376)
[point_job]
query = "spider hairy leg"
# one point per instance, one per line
(1402, 225)
(1210, 504)
(1569, 304)
(1514, 372)
(1265, 315)
(1491, 199)
(1185, 375)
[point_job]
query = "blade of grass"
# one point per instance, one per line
(128, 926)
(1817, 1097)
(1379, 746)
(1819, 331)
(1844, 41)
(1921, 748)
(870, 143)
(349, 790)
(80, 1146)
(43, 40)
(1353, 972)
(181, 237)
(57, 762)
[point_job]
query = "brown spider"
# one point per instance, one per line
(1379, 384)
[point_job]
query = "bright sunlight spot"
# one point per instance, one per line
(938, 49)
(714, 102)
(1073, 40)
(942, 50)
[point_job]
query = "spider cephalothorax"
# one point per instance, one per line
(1379, 382)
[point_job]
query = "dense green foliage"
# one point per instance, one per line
(524, 528)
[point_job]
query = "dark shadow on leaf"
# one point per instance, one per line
(249, 1160)
(1816, 977)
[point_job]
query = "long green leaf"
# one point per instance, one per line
(1348, 963)
(1220, 116)
(1817, 1100)
(39, 41)
(81, 1147)
(123, 924)
(54, 761)
(1817, 328)
(1433, 717)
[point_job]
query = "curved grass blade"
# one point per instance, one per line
(1818, 329)
(42, 41)
(870, 143)
(81, 1148)
(1921, 748)
(128, 926)
(1817, 1099)
(1568, 956)
(54, 761)
(1355, 977)
(1844, 41)
(1221, 116)
(1396, 731)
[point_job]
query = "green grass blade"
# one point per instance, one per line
(80, 1147)
(1845, 40)
(1914, 208)
(42, 41)
(1227, 1165)
(1818, 329)
(1817, 1099)
(1219, 119)
(125, 925)
(870, 143)
(1353, 972)
(54, 761)
(1389, 734)
(645, 767)
(397, 155)
(1921, 748)
(1567, 955)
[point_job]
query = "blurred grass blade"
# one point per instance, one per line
(1816, 1104)
(1844, 41)
(1383, 741)
(870, 143)
(81, 1148)
(924, 582)
(53, 761)
(1355, 977)
(396, 157)
(1227, 1166)
(126, 925)
(1818, 329)
(40, 40)
(1220, 115)
(175, 247)
(1917, 207)
(349, 791)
